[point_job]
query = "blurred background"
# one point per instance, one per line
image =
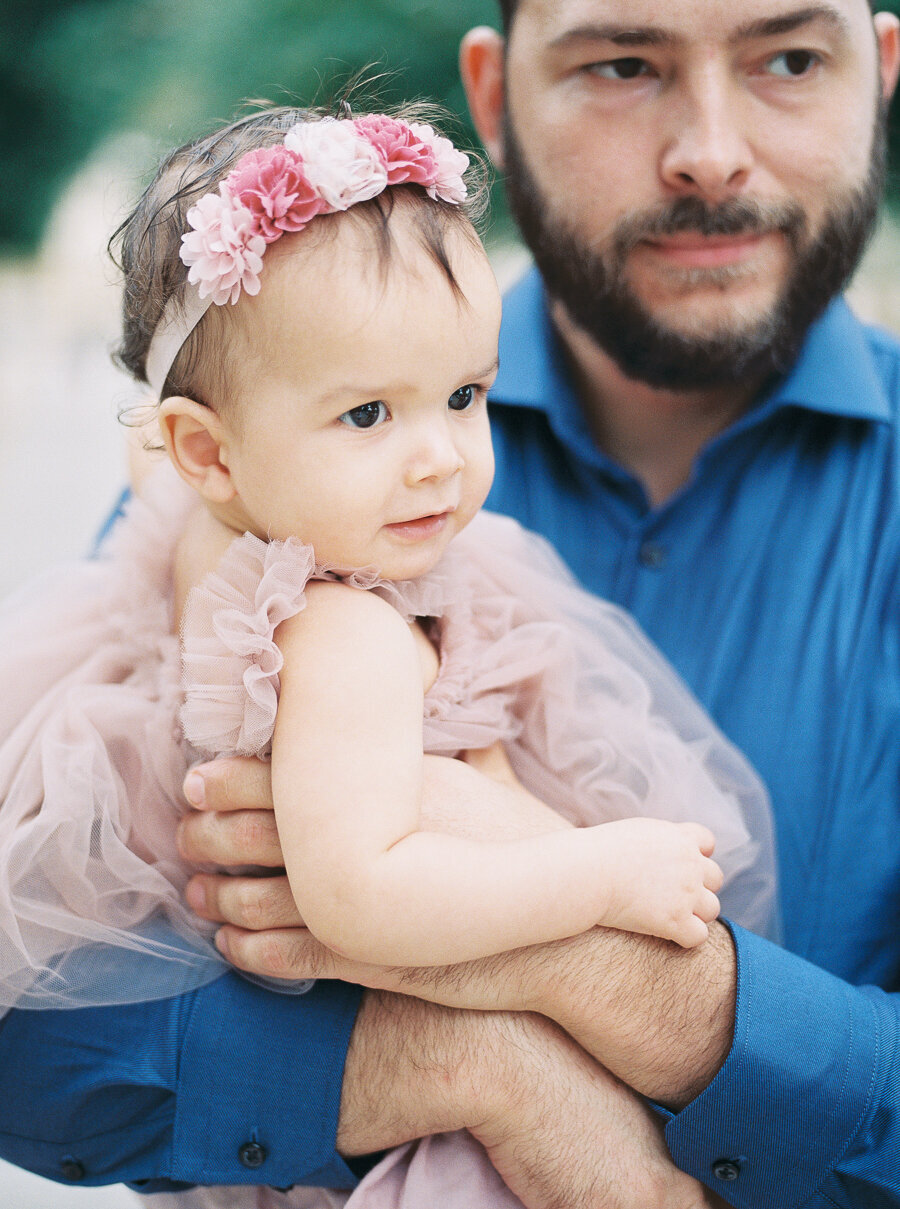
(92, 93)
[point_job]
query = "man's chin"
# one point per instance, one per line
(695, 350)
(707, 304)
(704, 328)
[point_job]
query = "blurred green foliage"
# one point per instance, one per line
(73, 72)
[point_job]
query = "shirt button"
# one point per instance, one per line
(652, 555)
(726, 1169)
(252, 1154)
(71, 1169)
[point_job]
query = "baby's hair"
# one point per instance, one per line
(146, 246)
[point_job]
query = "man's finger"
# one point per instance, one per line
(238, 783)
(255, 903)
(290, 953)
(248, 837)
(295, 953)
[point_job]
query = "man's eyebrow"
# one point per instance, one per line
(619, 35)
(786, 23)
(655, 35)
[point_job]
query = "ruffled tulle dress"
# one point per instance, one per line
(103, 710)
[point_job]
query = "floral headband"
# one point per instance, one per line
(322, 167)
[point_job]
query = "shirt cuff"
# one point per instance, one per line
(794, 1088)
(259, 1086)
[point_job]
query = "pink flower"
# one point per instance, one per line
(342, 166)
(448, 184)
(271, 184)
(224, 250)
(406, 157)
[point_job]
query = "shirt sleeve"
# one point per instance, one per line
(806, 1109)
(231, 1084)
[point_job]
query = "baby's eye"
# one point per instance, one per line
(367, 415)
(462, 398)
(791, 64)
(628, 68)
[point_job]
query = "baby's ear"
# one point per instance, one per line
(196, 441)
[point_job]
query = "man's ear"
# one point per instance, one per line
(887, 30)
(481, 63)
(195, 440)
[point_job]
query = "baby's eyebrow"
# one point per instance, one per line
(488, 370)
(351, 391)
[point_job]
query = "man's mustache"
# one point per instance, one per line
(735, 216)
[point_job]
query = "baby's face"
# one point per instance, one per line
(360, 424)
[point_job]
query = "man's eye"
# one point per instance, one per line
(792, 63)
(367, 415)
(621, 69)
(462, 398)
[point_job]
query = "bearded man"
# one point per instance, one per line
(689, 411)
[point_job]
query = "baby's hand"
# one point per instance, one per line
(663, 880)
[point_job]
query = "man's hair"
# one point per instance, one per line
(508, 11)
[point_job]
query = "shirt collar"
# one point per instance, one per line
(834, 374)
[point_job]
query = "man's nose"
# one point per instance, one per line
(707, 152)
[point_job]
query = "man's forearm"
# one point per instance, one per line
(659, 1017)
(560, 1130)
(410, 1071)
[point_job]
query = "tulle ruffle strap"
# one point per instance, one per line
(231, 662)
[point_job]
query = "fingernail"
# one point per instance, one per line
(222, 944)
(195, 893)
(195, 789)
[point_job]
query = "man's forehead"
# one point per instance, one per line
(555, 21)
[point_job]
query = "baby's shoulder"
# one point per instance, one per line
(350, 610)
(362, 628)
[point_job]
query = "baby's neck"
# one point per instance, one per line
(200, 549)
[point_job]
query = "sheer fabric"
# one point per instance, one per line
(97, 730)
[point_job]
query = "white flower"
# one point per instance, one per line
(342, 166)
(451, 164)
(224, 250)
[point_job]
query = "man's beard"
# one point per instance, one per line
(593, 288)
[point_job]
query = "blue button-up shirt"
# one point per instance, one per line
(771, 582)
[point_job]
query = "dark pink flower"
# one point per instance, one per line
(272, 185)
(408, 158)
